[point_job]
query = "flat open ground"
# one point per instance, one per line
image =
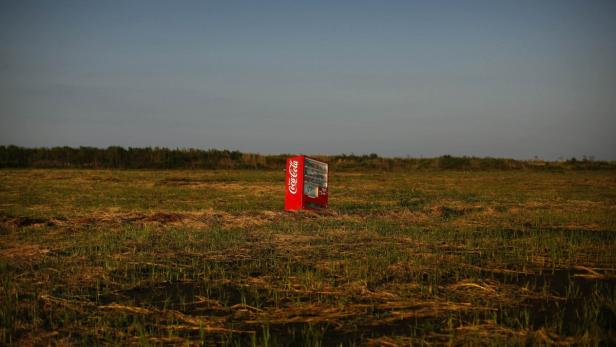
(169, 257)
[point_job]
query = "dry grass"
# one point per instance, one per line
(192, 257)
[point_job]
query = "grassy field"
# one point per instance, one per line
(176, 257)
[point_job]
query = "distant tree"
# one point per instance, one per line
(187, 158)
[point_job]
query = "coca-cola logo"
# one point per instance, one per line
(293, 168)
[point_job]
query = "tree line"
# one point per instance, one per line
(116, 157)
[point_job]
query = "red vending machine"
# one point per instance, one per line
(306, 184)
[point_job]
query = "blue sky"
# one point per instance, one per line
(487, 78)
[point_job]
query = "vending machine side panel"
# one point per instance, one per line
(294, 185)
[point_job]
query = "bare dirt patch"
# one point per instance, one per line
(18, 222)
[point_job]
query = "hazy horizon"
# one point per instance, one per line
(398, 78)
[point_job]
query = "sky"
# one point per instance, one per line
(513, 79)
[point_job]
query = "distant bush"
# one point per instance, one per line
(164, 158)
